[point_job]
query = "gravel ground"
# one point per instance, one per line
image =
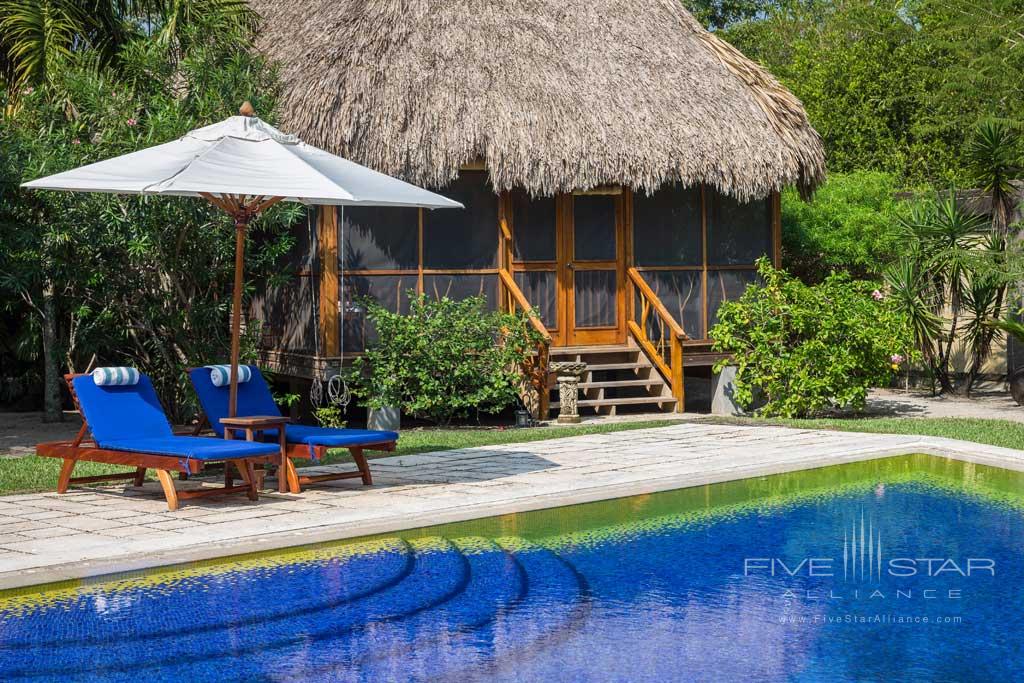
(20, 432)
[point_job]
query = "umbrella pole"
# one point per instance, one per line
(241, 222)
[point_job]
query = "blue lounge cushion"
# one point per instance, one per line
(336, 438)
(254, 398)
(130, 418)
(195, 447)
(117, 412)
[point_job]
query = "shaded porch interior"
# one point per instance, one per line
(617, 278)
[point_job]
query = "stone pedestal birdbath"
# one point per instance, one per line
(568, 389)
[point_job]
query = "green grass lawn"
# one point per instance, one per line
(992, 432)
(28, 474)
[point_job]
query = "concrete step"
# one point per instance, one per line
(629, 401)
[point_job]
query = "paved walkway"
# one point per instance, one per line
(46, 537)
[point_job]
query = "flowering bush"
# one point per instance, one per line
(806, 349)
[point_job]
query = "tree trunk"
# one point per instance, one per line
(943, 369)
(52, 409)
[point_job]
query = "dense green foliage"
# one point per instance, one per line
(38, 36)
(127, 280)
(444, 358)
(894, 87)
(801, 350)
(950, 284)
(851, 226)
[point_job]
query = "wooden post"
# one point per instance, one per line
(241, 221)
(327, 240)
(776, 217)
(678, 391)
(543, 392)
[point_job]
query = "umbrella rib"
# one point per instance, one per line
(219, 202)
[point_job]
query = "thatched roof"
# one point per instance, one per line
(552, 95)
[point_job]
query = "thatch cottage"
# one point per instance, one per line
(620, 168)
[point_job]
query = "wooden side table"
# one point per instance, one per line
(256, 424)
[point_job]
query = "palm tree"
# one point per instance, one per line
(942, 241)
(36, 35)
(993, 161)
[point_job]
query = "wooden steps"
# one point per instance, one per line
(603, 367)
(619, 378)
(620, 383)
(630, 401)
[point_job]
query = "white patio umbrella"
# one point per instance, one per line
(243, 166)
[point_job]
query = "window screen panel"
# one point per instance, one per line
(738, 233)
(286, 311)
(667, 227)
(726, 285)
(459, 287)
(540, 289)
(533, 227)
(463, 238)
(680, 291)
(595, 297)
(380, 238)
(593, 219)
(391, 291)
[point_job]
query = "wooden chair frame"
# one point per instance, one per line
(78, 450)
(301, 451)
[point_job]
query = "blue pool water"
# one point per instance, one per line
(673, 586)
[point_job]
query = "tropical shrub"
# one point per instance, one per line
(139, 281)
(804, 349)
(851, 225)
(444, 359)
(957, 266)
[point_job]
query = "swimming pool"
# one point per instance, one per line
(904, 568)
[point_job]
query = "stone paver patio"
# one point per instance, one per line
(87, 532)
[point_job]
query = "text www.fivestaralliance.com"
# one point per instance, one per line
(868, 619)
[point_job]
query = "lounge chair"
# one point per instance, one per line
(129, 427)
(303, 442)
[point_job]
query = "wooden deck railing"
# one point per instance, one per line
(659, 336)
(536, 368)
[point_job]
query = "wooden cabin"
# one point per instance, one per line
(620, 168)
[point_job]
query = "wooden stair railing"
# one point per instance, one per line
(665, 349)
(536, 368)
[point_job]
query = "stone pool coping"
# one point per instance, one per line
(46, 537)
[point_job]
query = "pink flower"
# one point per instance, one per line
(28, 91)
(76, 141)
(877, 295)
(132, 122)
(896, 359)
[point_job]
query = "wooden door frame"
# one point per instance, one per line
(506, 233)
(566, 267)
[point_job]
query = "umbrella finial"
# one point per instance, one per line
(246, 109)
